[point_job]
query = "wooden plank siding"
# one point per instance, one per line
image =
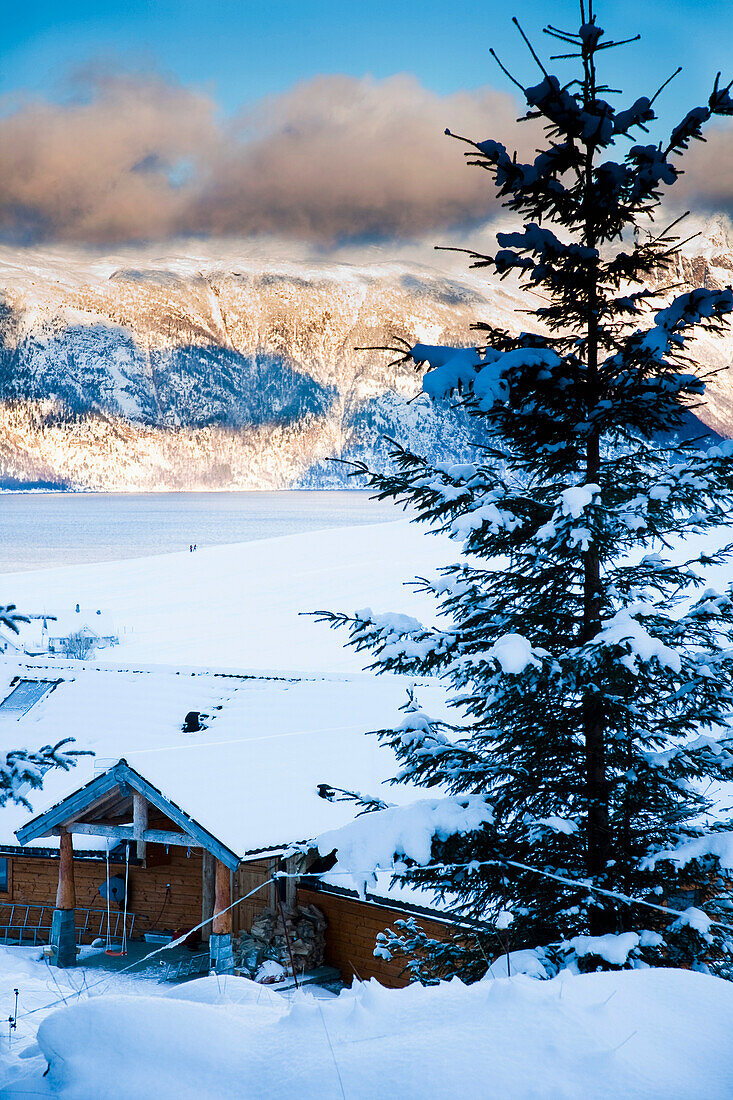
(352, 932)
(246, 877)
(35, 879)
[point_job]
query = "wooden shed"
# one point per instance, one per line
(197, 814)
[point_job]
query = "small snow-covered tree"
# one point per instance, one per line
(78, 645)
(590, 667)
(23, 769)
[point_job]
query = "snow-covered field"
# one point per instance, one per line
(635, 1034)
(239, 607)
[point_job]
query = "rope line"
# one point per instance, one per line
(333, 1052)
(244, 740)
(667, 910)
(109, 935)
(279, 875)
(124, 914)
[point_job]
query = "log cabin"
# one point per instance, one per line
(196, 785)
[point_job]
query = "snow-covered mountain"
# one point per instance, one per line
(708, 261)
(199, 373)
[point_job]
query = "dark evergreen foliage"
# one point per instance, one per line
(590, 667)
(22, 770)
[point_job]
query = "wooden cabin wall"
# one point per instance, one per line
(34, 880)
(246, 878)
(352, 932)
(352, 925)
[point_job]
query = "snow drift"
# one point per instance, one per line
(647, 1034)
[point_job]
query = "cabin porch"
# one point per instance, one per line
(174, 877)
(155, 863)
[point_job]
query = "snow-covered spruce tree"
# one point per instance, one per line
(23, 769)
(590, 667)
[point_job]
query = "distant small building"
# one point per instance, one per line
(9, 645)
(77, 633)
(80, 633)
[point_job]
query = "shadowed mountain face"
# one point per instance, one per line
(89, 369)
(187, 376)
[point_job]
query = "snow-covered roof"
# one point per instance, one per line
(250, 778)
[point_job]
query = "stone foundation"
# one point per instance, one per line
(63, 938)
(221, 953)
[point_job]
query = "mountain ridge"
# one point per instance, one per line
(204, 372)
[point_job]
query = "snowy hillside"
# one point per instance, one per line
(211, 370)
(707, 261)
(239, 607)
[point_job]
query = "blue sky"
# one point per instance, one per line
(240, 50)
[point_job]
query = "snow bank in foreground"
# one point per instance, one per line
(637, 1034)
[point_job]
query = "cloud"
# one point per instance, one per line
(138, 158)
(339, 157)
(334, 158)
(707, 183)
(102, 169)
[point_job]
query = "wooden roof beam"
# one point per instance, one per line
(93, 796)
(127, 832)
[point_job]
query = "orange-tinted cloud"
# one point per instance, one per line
(332, 158)
(335, 158)
(99, 170)
(339, 157)
(707, 183)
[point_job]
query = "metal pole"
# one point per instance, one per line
(287, 937)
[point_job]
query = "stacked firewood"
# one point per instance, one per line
(304, 929)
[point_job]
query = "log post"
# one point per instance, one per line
(220, 941)
(66, 892)
(63, 929)
(222, 925)
(139, 823)
(207, 893)
(291, 884)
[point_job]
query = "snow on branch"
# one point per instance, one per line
(638, 114)
(625, 630)
(714, 753)
(399, 642)
(21, 769)
(512, 176)
(560, 107)
(716, 846)
(667, 335)
(485, 375)
(687, 310)
(569, 524)
(513, 653)
(377, 841)
(544, 244)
